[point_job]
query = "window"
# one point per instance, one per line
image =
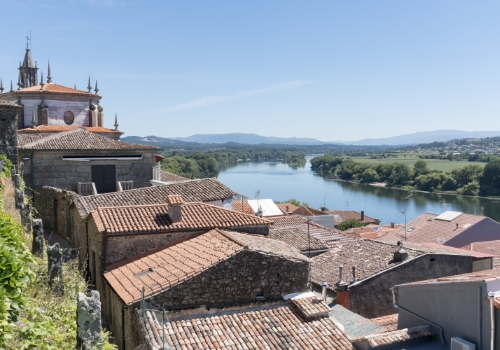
(69, 117)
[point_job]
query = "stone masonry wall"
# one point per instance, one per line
(51, 170)
(124, 247)
(373, 297)
(8, 131)
(235, 281)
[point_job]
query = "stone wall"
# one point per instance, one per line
(8, 130)
(373, 298)
(51, 170)
(235, 281)
(52, 206)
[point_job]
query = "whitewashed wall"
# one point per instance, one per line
(56, 111)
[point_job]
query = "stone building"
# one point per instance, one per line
(215, 269)
(369, 269)
(50, 107)
(9, 113)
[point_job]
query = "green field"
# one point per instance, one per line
(433, 164)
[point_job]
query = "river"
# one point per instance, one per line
(280, 182)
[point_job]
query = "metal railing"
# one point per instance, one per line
(86, 188)
(155, 321)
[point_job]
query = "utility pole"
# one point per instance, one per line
(404, 209)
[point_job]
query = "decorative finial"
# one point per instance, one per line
(49, 77)
(96, 89)
(33, 120)
(27, 42)
(74, 87)
(89, 87)
(11, 88)
(41, 81)
(116, 122)
(1, 85)
(19, 83)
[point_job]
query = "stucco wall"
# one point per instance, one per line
(460, 308)
(236, 280)
(373, 298)
(51, 170)
(56, 109)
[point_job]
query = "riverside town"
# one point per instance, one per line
(117, 234)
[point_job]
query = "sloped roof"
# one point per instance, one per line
(283, 206)
(479, 276)
(351, 214)
(425, 228)
(397, 336)
(298, 238)
(165, 176)
(61, 128)
(23, 139)
(311, 306)
(55, 88)
(267, 206)
(275, 327)
(171, 264)
(243, 207)
(389, 322)
(200, 190)
(308, 211)
(154, 218)
(81, 139)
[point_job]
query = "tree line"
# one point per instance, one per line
(470, 180)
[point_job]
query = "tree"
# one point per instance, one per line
(349, 223)
(181, 166)
(467, 174)
(401, 175)
(490, 181)
(471, 189)
(420, 168)
(369, 175)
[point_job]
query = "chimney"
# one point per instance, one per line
(457, 226)
(400, 255)
(341, 292)
(286, 208)
(353, 274)
(362, 215)
(324, 286)
(392, 225)
(175, 203)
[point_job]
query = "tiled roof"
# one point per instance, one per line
(425, 228)
(389, 322)
(370, 231)
(311, 307)
(458, 250)
(369, 257)
(290, 206)
(351, 214)
(307, 211)
(23, 139)
(243, 207)
(61, 128)
(8, 104)
(272, 328)
(479, 276)
(354, 324)
(51, 87)
(200, 190)
(80, 139)
(326, 235)
(169, 177)
(298, 238)
(175, 199)
(154, 218)
(164, 267)
(397, 336)
(486, 247)
(168, 265)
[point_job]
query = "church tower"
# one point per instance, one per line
(27, 71)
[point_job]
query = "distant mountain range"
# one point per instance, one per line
(249, 139)
(254, 139)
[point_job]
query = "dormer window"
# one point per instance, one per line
(69, 117)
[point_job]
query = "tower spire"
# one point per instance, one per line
(49, 77)
(96, 89)
(89, 87)
(1, 85)
(41, 81)
(116, 122)
(11, 88)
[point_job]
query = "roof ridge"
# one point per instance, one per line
(231, 238)
(51, 137)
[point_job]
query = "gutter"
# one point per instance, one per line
(441, 331)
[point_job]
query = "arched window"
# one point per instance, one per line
(69, 117)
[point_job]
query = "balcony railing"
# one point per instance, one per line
(86, 188)
(125, 185)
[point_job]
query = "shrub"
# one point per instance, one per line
(349, 223)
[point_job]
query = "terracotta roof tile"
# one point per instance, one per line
(23, 139)
(307, 211)
(283, 207)
(201, 190)
(389, 322)
(351, 214)
(298, 238)
(154, 218)
(397, 336)
(325, 235)
(484, 275)
(311, 307)
(175, 199)
(51, 87)
(243, 207)
(81, 139)
(486, 247)
(370, 231)
(169, 177)
(43, 129)
(278, 327)
(166, 266)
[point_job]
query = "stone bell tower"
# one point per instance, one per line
(27, 71)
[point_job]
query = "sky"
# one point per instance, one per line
(331, 70)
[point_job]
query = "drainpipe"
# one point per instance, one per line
(491, 296)
(441, 331)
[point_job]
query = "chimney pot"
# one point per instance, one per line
(175, 203)
(400, 255)
(362, 215)
(324, 286)
(392, 225)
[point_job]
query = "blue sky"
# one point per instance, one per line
(333, 70)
